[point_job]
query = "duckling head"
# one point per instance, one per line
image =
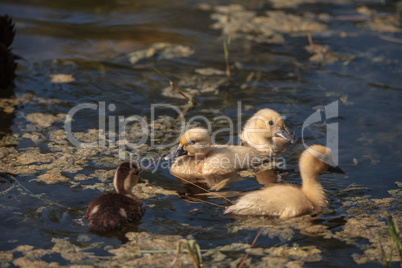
(7, 30)
(194, 142)
(125, 177)
(266, 131)
(317, 159)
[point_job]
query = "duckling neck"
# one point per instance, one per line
(253, 139)
(313, 190)
(123, 185)
(123, 191)
(126, 193)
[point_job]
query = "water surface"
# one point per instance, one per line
(91, 41)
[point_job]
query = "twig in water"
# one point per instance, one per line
(159, 158)
(7, 190)
(310, 41)
(203, 188)
(390, 38)
(190, 104)
(37, 196)
(206, 202)
(252, 245)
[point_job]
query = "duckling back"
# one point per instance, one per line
(112, 211)
(221, 159)
(281, 201)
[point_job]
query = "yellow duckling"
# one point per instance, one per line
(266, 132)
(197, 156)
(113, 210)
(288, 200)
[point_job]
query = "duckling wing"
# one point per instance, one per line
(254, 203)
(223, 159)
(186, 166)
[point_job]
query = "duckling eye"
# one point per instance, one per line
(191, 142)
(271, 123)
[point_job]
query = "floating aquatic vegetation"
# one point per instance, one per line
(45, 120)
(147, 249)
(289, 3)
(197, 84)
(193, 250)
(35, 137)
(52, 176)
(31, 257)
(69, 251)
(33, 155)
(277, 256)
(61, 78)
(160, 51)
(238, 23)
(100, 186)
(12, 139)
(368, 222)
(379, 22)
(272, 227)
(209, 71)
(8, 105)
(147, 190)
(323, 55)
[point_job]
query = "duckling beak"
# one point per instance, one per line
(176, 153)
(282, 133)
(336, 170)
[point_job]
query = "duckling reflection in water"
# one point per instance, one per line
(113, 210)
(288, 200)
(197, 156)
(205, 187)
(266, 132)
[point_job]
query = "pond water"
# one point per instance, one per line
(360, 89)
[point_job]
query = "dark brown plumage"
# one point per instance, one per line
(113, 210)
(7, 31)
(7, 59)
(109, 215)
(7, 67)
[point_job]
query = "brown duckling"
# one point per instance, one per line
(286, 200)
(266, 132)
(197, 156)
(113, 210)
(7, 59)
